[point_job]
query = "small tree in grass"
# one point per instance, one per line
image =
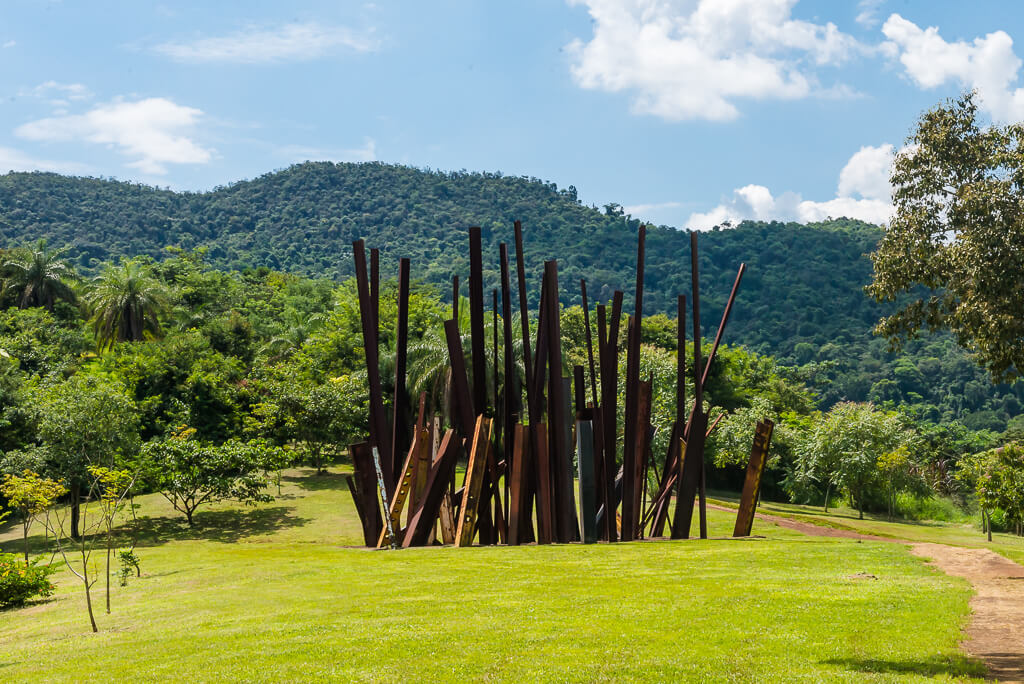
(190, 473)
(113, 487)
(30, 495)
(105, 493)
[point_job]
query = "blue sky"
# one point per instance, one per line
(688, 113)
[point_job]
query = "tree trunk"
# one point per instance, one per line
(188, 516)
(108, 569)
(828, 490)
(76, 511)
(860, 506)
(25, 528)
(88, 595)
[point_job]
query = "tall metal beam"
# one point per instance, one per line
(380, 433)
(476, 320)
(524, 315)
(400, 404)
(590, 343)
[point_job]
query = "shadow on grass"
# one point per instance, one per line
(221, 526)
(26, 604)
(953, 666)
(312, 482)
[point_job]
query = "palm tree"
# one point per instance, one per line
(295, 332)
(39, 276)
(126, 303)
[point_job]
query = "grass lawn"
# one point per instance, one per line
(841, 517)
(273, 593)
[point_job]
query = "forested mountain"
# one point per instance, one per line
(801, 301)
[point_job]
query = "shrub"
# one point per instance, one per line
(21, 581)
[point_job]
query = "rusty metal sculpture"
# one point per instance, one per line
(521, 484)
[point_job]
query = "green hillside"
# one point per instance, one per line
(802, 299)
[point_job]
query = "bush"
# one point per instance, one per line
(944, 509)
(21, 582)
(999, 520)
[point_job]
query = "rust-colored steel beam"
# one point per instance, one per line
(752, 481)
(590, 343)
(693, 459)
(380, 434)
(524, 315)
(455, 297)
(545, 513)
(375, 287)
(400, 403)
(475, 475)
(629, 436)
(630, 518)
(495, 404)
(460, 385)
(579, 389)
(510, 396)
(421, 527)
(476, 320)
(643, 433)
(404, 491)
(518, 484)
(608, 350)
(558, 424)
(721, 326)
(365, 476)
(699, 438)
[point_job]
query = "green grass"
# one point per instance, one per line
(845, 518)
(273, 593)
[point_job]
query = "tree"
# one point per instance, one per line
(843, 449)
(997, 476)
(104, 487)
(38, 276)
(958, 234)
(322, 417)
(190, 473)
(86, 421)
(112, 487)
(126, 303)
(30, 495)
(898, 474)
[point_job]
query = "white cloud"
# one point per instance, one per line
(300, 153)
(641, 209)
(58, 94)
(987, 64)
(296, 42)
(153, 132)
(10, 43)
(863, 193)
(16, 160)
(868, 15)
(685, 61)
(69, 91)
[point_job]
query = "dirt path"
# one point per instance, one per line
(996, 631)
